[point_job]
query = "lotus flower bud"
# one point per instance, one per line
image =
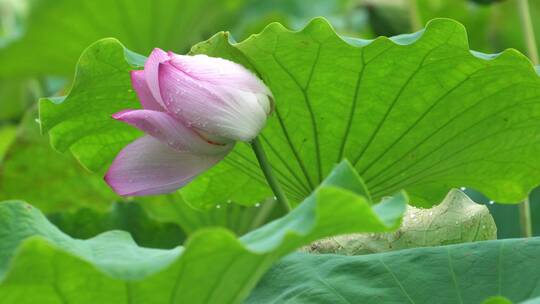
(194, 109)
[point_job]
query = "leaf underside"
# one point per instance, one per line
(419, 112)
(457, 219)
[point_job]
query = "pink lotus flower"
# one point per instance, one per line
(194, 109)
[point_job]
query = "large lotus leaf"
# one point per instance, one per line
(213, 267)
(464, 273)
(420, 112)
(67, 27)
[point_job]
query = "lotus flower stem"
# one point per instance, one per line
(532, 52)
(269, 174)
(528, 31)
(414, 16)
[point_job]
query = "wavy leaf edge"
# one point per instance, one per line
(381, 215)
(136, 60)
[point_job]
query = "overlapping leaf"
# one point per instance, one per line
(465, 273)
(213, 267)
(82, 120)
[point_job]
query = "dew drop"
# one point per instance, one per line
(218, 206)
(491, 202)
(462, 188)
(257, 205)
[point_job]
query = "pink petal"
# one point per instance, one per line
(151, 67)
(171, 132)
(218, 110)
(140, 86)
(147, 167)
(219, 71)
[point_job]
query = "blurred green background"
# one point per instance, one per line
(41, 40)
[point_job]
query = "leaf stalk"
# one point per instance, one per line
(414, 16)
(528, 30)
(269, 174)
(525, 221)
